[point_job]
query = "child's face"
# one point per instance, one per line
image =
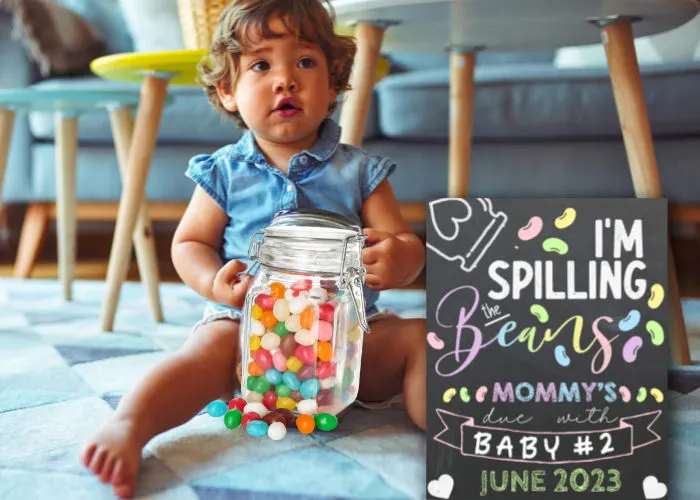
(283, 89)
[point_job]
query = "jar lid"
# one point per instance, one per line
(311, 222)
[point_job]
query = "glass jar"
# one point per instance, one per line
(304, 314)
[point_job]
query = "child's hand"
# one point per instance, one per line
(228, 288)
(382, 259)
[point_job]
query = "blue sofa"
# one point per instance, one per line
(538, 130)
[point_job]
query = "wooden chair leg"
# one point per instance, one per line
(636, 131)
(31, 238)
(66, 157)
(7, 120)
(461, 119)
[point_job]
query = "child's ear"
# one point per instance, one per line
(332, 91)
(226, 97)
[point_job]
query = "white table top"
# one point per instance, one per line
(508, 25)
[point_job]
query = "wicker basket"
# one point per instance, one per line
(198, 20)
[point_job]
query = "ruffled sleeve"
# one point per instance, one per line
(211, 177)
(377, 170)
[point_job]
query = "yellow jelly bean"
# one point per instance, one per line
(294, 364)
(565, 219)
(449, 394)
(286, 402)
(256, 311)
(355, 334)
(657, 395)
(656, 297)
(254, 342)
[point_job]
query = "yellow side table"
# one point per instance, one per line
(155, 71)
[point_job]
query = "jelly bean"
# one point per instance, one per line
(273, 417)
(303, 284)
(464, 395)
(286, 402)
(324, 350)
(561, 356)
(294, 364)
(249, 417)
(254, 369)
(306, 372)
(326, 312)
(539, 312)
(657, 395)
(324, 369)
(481, 394)
(250, 383)
(279, 360)
(265, 301)
(281, 329)
(256, 312)
(255, 342)
(656, 331)
(296, 396)
(277, 290)
(298, 304)
(287, 414)
(273, 376)
(309, 388)
(277, 431)
(270, 341)
(255, 407)
(256, 327)
(642, 395)
(565, 219)
(217, 408)
(355, 334)
(293, 324)
(288, 345)
(306, 354)
(262, 385)
(328, 382)
(263, 358)
(232, 419)
(449, 394)
(322, 330)
(324, 397)
(556, 245)
(253, 397)
(318, 294)
(329, 285)
(290, 380)
(326, 421)
(304, 337)
(307, 406)
(270, 399)
(531, 229)
(307, 318)
(268, 319)
(282, 390)
(631, 348)
(625, 394)
(237, 404)
(305, 424)
(656, 297)
(281, 310)
(630, 321)
(257, 428)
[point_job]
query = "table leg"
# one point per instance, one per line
(461, 119)
(122, 121)
(7, 120)
(631, 107)
(153, 94)
(66, 157)
(353, 115)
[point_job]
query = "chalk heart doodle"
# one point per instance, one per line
(653, 488)
(442, 486)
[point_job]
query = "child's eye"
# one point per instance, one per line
(306, 63)
(260, 66)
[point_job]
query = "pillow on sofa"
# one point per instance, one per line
(154, 24)
(60, 41)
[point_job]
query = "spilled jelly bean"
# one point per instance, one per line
(656, 332)
(555, 245)
(565, 219)
(657, 395)
(631, 348)
(539, 312)
(641, 395)
(561, 356)
(449, 394)
(630, 321)
(656, 297)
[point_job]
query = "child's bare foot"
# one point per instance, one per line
(113, 454)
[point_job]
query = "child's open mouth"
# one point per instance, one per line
(287, 108)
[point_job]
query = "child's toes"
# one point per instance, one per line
(107, 469)
(98, 461)
(122, 482)
(87, 453)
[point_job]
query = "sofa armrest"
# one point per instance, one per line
(18, 70)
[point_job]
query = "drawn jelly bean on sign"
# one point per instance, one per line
(630, 321)
(464, 395)
(555, 245)
(631, 349)
(625, 394)
(561, 357)
(656, 297)
(481, 394)
(657, 395)
(531, 229)
(435, 342)
(449, 394)
(565, 219)
(539, 312)
(656, 332)
(642, 395)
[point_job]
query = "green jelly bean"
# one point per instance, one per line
(326, 421)
(283, 391)
(642, 395)
(656, 331)
(281, 329)
(232, 418)
(539, 312)
(555, 245)
(262, 385)
(250, 384)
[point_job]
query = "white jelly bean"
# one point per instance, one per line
(276, 431)
(270, 341)
(254, 397)
(257, 407)
(281, 310)
(307, 406)
(256, 327)
(293, 324)
(318, 294)
(328, 382)
(304, 337)
(298, 304)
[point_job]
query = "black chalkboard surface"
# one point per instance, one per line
(547, 348)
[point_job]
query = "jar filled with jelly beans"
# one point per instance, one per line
(304, 314)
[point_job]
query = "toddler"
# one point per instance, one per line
(276, 68)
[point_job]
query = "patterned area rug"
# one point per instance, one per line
(60, 377)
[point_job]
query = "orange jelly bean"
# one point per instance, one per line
(305, 424)
(277, 290)
(254, 369)
(324, 351)
(268, 319)
(307, 317)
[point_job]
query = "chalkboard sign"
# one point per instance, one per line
(547, 348)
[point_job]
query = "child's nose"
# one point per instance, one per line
(284, 81)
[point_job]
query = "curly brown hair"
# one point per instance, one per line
(244, 19)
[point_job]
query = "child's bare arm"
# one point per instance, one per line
(396, 256)
(195, 252)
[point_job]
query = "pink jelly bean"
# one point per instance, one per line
(306, 354)
(324, 397)
(301, 285)
(265, 301)
(264, 359)
(324, 369)
(306, 372)
(326, 312)
(322, 330)
(280, 361)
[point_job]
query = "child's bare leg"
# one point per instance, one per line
(393, 360)
(174, 392)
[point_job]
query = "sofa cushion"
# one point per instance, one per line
(106, 17)
(189, 118)
(537, 101)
